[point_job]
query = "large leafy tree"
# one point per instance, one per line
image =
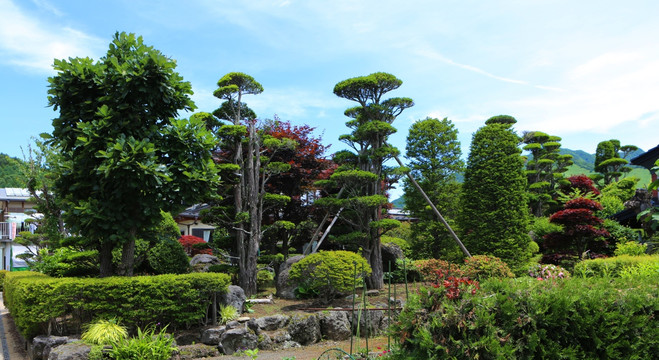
(611, 160)
(544, 169)
(362, 173)
(123, 155)
(434, 158)
(11, 172)
(494, 217)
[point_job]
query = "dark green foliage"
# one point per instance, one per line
(330, 273)
(608, 160)
(123, 155)
(37, 301)
(494, 218)
(264, 279)
(146, 345)
(230, 270)
(531, 319)
(435, 161)
(66, 262)
(168, 257)
(11, 173)
(2, 278)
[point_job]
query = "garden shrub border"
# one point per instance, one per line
(613, 266)
(577, 318)
(37, 302)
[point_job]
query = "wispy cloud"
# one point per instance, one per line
(25, 42)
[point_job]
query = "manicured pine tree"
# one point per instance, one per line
(494, 217)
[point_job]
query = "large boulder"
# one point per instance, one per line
(334, 325)
(212, 336)
(235, 296)
(285, 289)
(273, 322)
(390, 253)
(42, 345)
(201, 262)
(70, 351)
(371, 321)
(239, 338)
(304, 329)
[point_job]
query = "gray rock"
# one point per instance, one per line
(265, 342)
(290, 344)
(42, 345)
(254, 326)
(197, 351)
(240, 338)
(235, 296)
(304, 329)
(273, 322)
(334, 325)
(390, 253)
(285, 289)
(281, 337)
(372, 319)
(205, 260)
(70, 351)
(372, 292)
(212, 336)
(187, 338)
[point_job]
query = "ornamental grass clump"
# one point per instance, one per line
(104, 332)
(228, 313)
(146, 345)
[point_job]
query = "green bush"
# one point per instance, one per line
(67, 262)
(37, 301)
(613, 266)
(2, 279)
(168, 257)
(230, 270)
(528, 319)
(329, 272)
(481, 267)
(631, 248)
(264, 279)
(270, 259)
(402, 244)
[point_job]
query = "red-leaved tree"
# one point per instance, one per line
(583, 233)
(194, 245)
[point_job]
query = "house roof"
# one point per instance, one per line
(193, 212)
(14, 194)
(647, 159)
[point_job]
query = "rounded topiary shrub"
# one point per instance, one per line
(329, 273)
(168, 257)
(481, 267)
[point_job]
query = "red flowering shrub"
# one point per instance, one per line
(428, 269)
(581, 182)
(453, 286)
(194, 245)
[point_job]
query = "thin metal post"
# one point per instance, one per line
(366, 314)
(389, 310)
(354, 294)
(407, 293)
(214, 316)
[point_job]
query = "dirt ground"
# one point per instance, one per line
(15, 345)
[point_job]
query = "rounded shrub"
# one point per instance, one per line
(481, 267)
(428, 269)
(168, 257)
(330, 273)
(264, 279)
(631, 248)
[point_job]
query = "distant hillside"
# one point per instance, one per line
(399, 203)
(581, 158)
(10, 172)
(584, 164)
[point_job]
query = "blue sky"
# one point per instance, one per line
(584, 70)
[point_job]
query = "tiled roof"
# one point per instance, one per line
(14, 194)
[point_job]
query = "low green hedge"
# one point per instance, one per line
(2, 278)
(617, 266)
(524, 318)
(36, 301)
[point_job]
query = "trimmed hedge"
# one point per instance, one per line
(36, 301)
(524, 318)
(616, 266)
(2, 278)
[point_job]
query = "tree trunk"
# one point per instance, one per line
(128, 255)
(105, 257)
(376, 279)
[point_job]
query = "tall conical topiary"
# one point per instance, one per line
(494, 217)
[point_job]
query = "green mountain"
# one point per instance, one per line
(10, 172)
(584, 164)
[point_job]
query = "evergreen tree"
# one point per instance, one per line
(494, 217)
(544, 168)
(434, 155)
(609, 163)
(362, 172)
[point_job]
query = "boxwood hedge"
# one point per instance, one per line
(40, 304)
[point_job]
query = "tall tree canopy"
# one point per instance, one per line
(123, 155)
(361, 172)
(494, 218)
(11, 172)
(434, 157)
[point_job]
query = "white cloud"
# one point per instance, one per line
(29, 43)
